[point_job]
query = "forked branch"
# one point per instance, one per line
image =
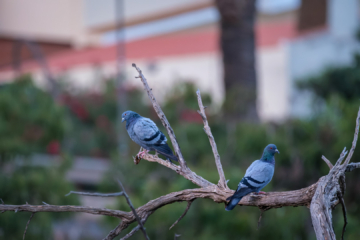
(163, 118)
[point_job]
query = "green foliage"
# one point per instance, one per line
(92, 120)
(29, 121)
(33, 185)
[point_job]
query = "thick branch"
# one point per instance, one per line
(222, 180)
(328, 189)
(163, 119)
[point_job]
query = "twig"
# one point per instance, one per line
(341, 158)
(183, 215)
(262, 210)
(176, 237)
(45, 203)
(327, 162)
(190, 175)
(134, 230)
(352, 166)
(353, 146)
(133, 210)
(32, 215)
(163, 119)
(96, 194)
(340, 196)
(66, 208)
(222, 180)
(116, 231)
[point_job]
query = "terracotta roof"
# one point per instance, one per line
(184, 43)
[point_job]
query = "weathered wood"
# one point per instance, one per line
(222, 180)
(329, 190)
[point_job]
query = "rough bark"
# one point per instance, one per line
(330, 191)
(237, 42)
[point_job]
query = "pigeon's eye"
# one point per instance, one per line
(271, 148)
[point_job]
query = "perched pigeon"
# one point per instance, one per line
(144, 132)
(257, 176)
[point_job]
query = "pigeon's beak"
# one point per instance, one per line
(277, 151)
(123, 119)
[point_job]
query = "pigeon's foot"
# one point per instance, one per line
(142, 153)
(261, 192)
(156, 154)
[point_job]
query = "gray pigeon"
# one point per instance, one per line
(257, 176)
(144, 132)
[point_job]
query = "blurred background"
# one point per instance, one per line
(270, 71)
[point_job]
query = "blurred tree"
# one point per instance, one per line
(29, 119)
(92, 120)
(30, 122)
(237, 43)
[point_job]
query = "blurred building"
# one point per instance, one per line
(174, 41)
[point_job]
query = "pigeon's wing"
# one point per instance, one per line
(148, 133)
(258, 175)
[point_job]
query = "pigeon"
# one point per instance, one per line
(257, 176)
(144, 132)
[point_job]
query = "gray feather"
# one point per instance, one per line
(257, 176)
(144, 132)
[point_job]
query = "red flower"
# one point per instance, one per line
(53, 147)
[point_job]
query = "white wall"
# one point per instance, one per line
(53, 20)
(311, 56)
(273, 84)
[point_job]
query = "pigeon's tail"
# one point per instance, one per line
(165, 150)
(236, 198)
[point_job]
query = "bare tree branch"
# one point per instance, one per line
(352, 166)
(190, 175)
(340, 196)
(262, 210)
(67, 208)
(27, 225)
(96, 194)
(328, 188)
(353, 146)
(183, 215)
(163, 119)
(133, 210)
(327, 162)
(134, 230)
(116, 231)
(222, 180)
